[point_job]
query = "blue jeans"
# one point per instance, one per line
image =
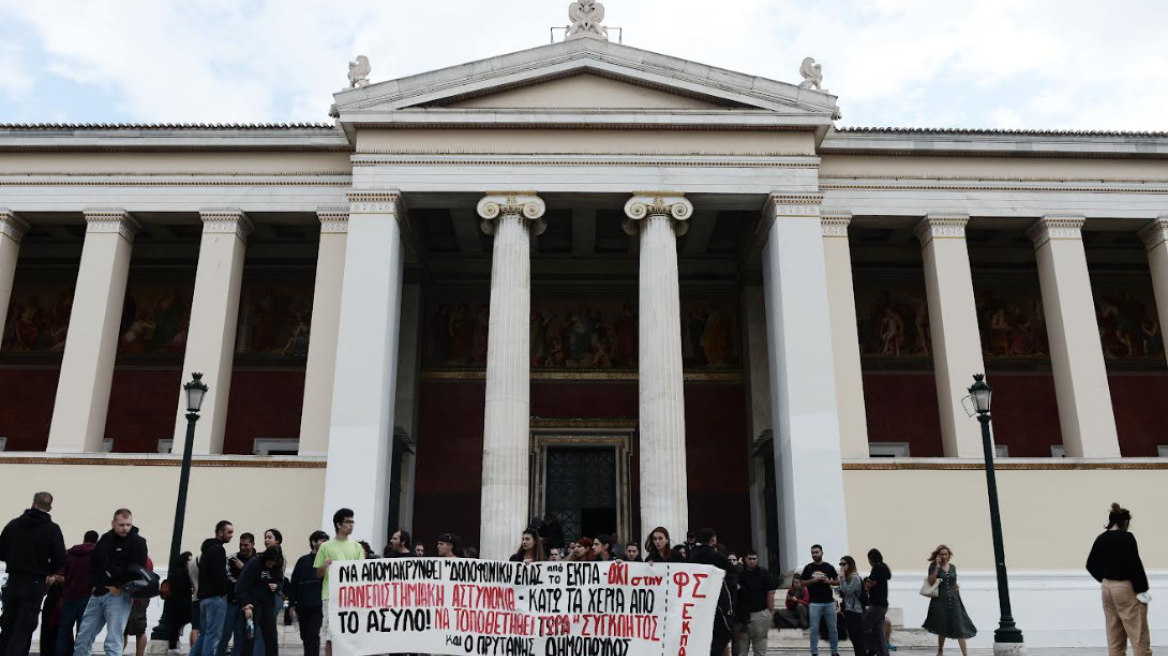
(71, 612)
(103, 612)
(826, 611)
(211, 613)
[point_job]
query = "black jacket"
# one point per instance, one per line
(112, 558)
(305, 588)
(252, 586)
(213, 570)
(705, 555)
(32, 545)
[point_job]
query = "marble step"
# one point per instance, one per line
(799, 639)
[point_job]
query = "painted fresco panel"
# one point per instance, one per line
(1010, 318)
(38, 318)
(892, 314)
(275, 320)
(156, 318)
(1129, 328)
(579, 333)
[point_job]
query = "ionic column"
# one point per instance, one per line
(952, 328)
(808, 464)
(511, 218)
(1155, 236)
(214, 319)
(360, 443)
(1076, 353)
(87, 370)
(660, 218)
(845, 340)
(326, 321)
(12, 229)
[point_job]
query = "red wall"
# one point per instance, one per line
(263, 403)
(1025, 413)
(142, 408)
(450, 442)
(1139, 412)
(902, 407)
(26, 406)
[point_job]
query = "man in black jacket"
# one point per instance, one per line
(704, 553)
(109, 571)
(33, 552)
(213, 588)
(304, 594)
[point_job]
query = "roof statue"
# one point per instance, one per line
(359, 72)
(586, 16)
(812, 75)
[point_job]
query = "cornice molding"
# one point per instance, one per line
(12, 226)
(940, 226)
(523, 205)
(671, 205)
(834, 223)
(1055, 226)
(333, 219)
(881, 183)
(111, 221)
(1155, 233)
(226, 221)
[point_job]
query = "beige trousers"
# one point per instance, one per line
(1127, 619)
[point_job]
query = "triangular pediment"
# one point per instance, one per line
(588, 91)
(587, 82)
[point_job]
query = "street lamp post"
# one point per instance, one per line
(196, 391)
(1007, 637)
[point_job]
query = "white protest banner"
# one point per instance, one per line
(491, 608)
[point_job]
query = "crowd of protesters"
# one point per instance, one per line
(233, 601)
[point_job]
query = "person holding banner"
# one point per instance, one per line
(257, 591)
(338, 548)
(530, 548)
(704, 553)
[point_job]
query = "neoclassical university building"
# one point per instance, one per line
(605, 284)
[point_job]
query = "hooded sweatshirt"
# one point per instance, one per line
(110, 564)
(213, 570)
(77, 571)
(32, 545)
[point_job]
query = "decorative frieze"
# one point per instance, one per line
(11, 225)
(669, 204)
(111, 221)
(522, 204)
(1155, 233)
(834, 223)
(1055, 227)
(226, 221)
(375, 202)
(941, 226)
(333, 220)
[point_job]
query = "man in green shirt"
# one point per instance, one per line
(338, 548)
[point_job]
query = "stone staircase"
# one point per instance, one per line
(782, 640)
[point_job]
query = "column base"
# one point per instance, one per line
(1009, 649)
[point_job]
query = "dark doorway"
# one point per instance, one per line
(582, 490)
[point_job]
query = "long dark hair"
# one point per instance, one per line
(651, 550)
(273, 559)
(1119, 517)
(537, 553)
(851, 566)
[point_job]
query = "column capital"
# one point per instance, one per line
(523, 204)
(786, 204)
(670, 204)
(834, 223)
(1153, 234)
(334, 219)
(116, 221)
(226, 221)
(11, 225)
(940, 226)
(387, 201)
(1056, 226)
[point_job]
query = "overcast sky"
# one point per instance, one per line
(1068, 64)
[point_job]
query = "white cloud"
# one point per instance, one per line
(1040, 63)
